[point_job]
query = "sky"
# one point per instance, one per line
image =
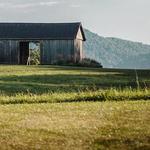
(126, 19)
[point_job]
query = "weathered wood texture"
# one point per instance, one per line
(57, 50)
(52, 51)
(8, 52)
(58, 42)
(78, 46)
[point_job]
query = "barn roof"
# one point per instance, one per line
(40, 30)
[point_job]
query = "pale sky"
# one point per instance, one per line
(126, 19)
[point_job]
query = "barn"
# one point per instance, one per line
(58, 42)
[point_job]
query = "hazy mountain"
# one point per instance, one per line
(116, 53)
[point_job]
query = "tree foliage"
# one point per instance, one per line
(116, 53)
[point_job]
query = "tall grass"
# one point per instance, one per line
(112, 94)
(137, 79)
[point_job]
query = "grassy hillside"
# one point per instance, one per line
(69, 108)
(117, 53)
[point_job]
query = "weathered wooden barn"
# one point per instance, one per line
(58, 42)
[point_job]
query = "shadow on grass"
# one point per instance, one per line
(98, 96)
(126, 143)
(41, 84)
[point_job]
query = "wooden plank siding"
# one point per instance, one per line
(58, 42)
(57, 50)
(78, 46)
(8, 52)
(52, 51)
(78, 50)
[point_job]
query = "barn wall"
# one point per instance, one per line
(78, 50)
(78, 46)
(53, 51)
(8, 52)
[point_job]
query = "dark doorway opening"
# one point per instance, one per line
(24, 53)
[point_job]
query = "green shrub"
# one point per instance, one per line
(87, 62)
(35, 57)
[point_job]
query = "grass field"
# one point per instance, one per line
(47, 107)
(41, 84)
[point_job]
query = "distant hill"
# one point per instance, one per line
(117, 53)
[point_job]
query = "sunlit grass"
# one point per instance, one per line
(57, 97)
(84, 125)
(65, 108)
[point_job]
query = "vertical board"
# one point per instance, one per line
(78, 46)
(57, 50)
(2, 52)
(8, 52)
(52, 51)
(14, 51)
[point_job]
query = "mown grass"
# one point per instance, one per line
(70, 126)
(39, 84)
(43, 79)
(52, 107)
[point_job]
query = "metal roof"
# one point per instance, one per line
(40, 30)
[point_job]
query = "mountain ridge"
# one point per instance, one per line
(117, 53)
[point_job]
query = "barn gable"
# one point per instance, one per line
(79, 35)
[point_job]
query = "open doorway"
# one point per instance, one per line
(34, 52)
(29, 53)
(24, 53)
